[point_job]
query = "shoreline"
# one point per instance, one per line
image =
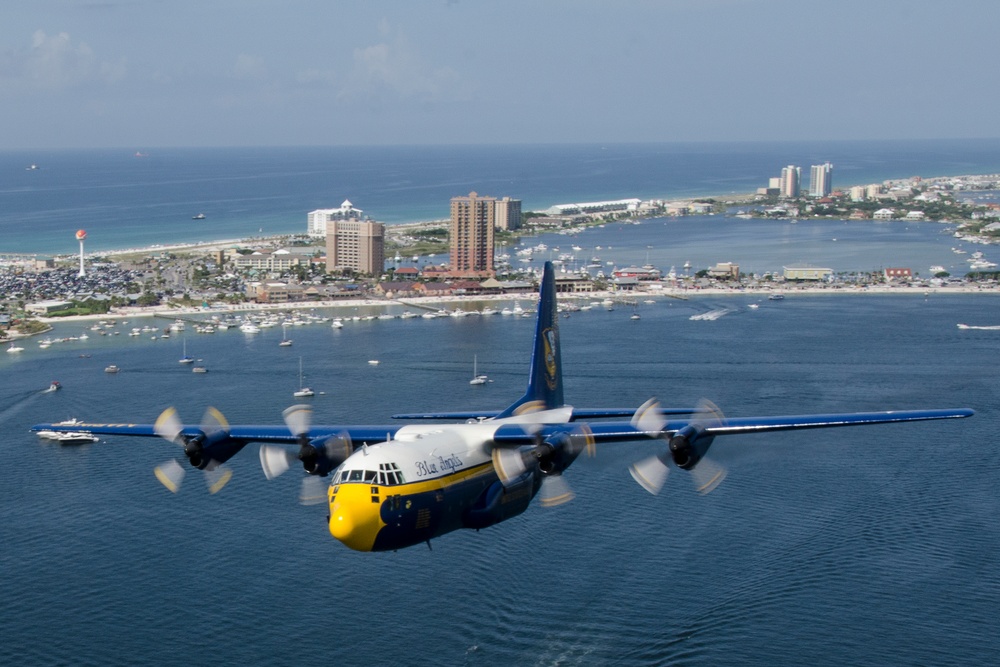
(429, 303)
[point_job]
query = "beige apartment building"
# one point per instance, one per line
(358, 245)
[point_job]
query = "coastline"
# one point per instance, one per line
(439, 302)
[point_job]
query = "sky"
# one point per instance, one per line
(166, 73)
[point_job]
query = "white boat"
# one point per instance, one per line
(285, 341)
(199, 369)
(936, 269)
(15, 348)
(185, 359)
(337, 324)
(302, 390)
(373, 362)
(477, 378)
(111, 369)
(68, 437)
(53, 386)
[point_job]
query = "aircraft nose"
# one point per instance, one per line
(354, 517)
(341, 525)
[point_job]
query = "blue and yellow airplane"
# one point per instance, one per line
(396, 486)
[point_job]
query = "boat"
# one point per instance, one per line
(373, 362)
(302, 391)
(111, 369)
(635, 316)
(477, 378)
(285, 341)
(15, 348)
(53, 386)
(775, 297)
(186, 359)
(69, 437)
(199, 369)
(200, 216)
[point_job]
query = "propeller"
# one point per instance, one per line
(549, 456)
(687, 448)
(213, 429)
(318, 459)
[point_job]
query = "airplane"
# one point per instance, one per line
(397, 486)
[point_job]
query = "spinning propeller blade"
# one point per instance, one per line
(651, 473)
(170, 474)
(170, 427)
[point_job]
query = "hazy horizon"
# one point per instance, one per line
(228, 73)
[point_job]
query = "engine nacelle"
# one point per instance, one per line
(556, 453)
(689, 445)
(209, 451)
(322, 457)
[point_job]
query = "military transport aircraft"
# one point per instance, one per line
(396, 486)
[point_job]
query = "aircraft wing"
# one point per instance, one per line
(578, 414)
(359, 434)
(624, 431)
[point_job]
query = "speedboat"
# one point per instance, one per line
(54, 386)
(111, 369)
(15, 348)
(200, 216)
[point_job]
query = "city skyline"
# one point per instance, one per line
(143, 74)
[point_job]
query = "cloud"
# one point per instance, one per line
(54, 63)
(393, 68)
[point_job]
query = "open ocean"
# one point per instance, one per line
(868, 545)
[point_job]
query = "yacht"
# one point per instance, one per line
(303, 390)
(477, 378)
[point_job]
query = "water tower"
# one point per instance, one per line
(80, 236)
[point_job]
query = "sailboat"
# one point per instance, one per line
(285, 341)
(476, 377)
(303, 390)
(186, 359)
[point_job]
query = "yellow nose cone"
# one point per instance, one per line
(354, 517)
(341, 525)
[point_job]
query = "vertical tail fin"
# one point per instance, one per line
(545, 388)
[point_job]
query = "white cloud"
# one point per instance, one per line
(249, 67)
(393, 67)
(55, 63)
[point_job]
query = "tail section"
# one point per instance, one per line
(545, 388)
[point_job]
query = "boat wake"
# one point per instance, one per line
(994, 327)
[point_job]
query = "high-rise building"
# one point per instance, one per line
(472, 222)
(790, 176)
(820, 180)
(508, 214)
(358, 245)
(318, 219)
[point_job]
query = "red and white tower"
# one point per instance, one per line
(80, 236)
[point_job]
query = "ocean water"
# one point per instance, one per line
(124, 201)
(871, 545)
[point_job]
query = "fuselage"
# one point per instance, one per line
(427, 481)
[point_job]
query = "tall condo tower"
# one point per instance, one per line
(472, 222)
(820, 180)
(790, 176)
(80, 236)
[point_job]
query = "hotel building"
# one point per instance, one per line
(508, 214)
(472, 222)
(790, 177)
(820, 180)
(318, 219)
(357, 245)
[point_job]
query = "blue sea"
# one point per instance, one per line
(871, 545)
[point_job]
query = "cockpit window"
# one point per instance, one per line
(389, 474)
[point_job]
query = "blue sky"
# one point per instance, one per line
(152, 73)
